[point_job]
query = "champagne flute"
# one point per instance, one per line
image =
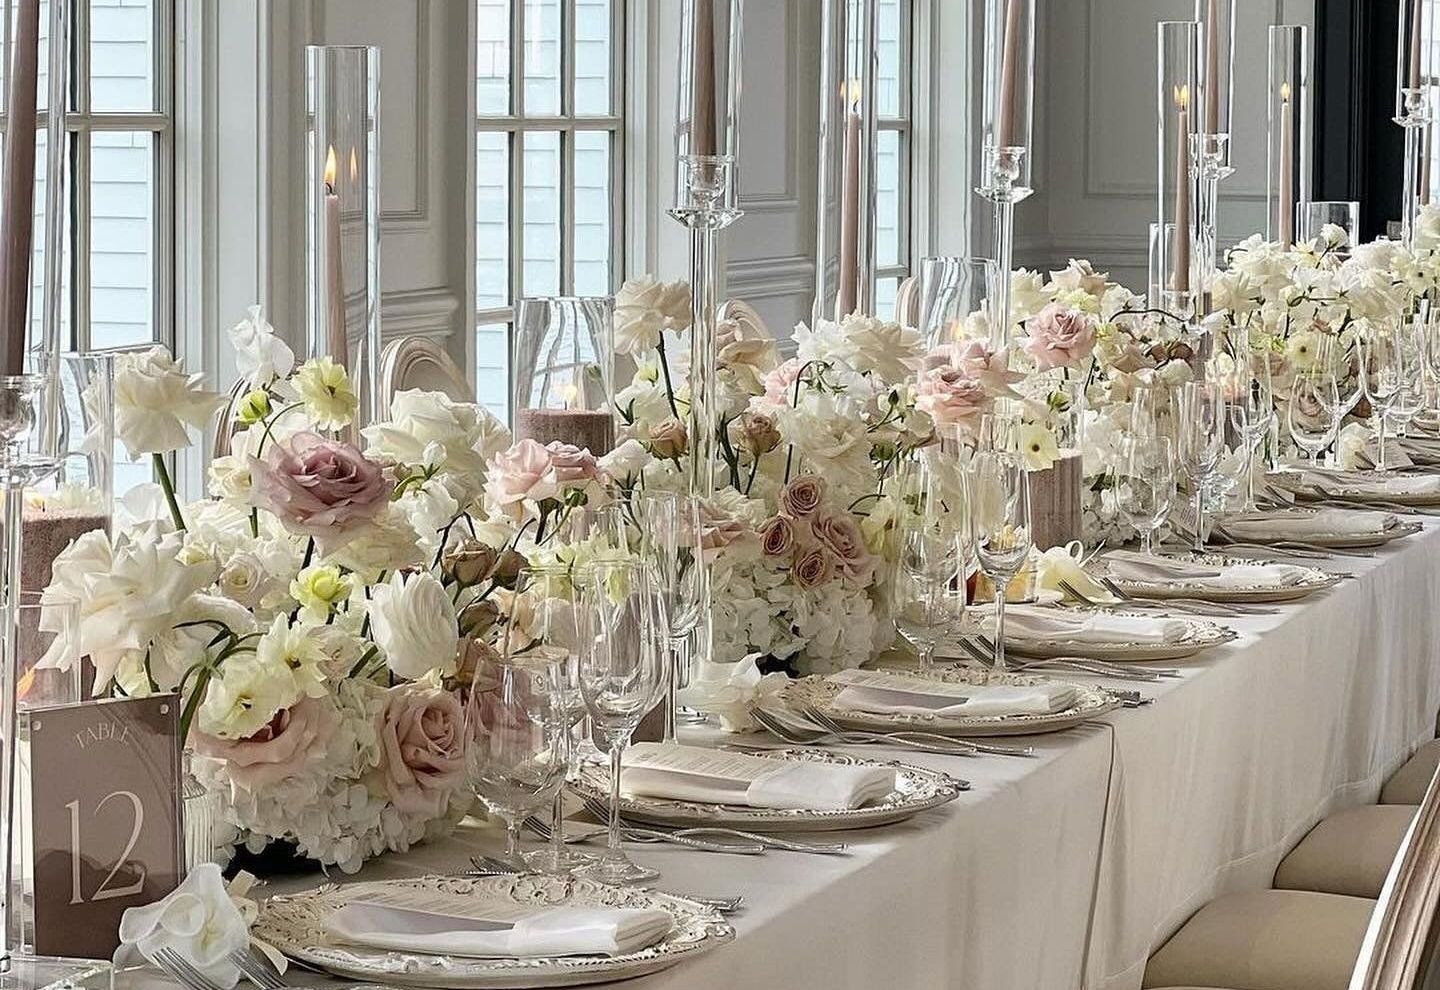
(1311, 412)
(622, 676)
(1384, 370)
(1000, 497)
(933, 543)
(1201, 443)
(670, 540)
(1147, 474)
(1410, 358)
(516, 760)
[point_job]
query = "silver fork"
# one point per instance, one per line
(256, 968)
(820, 718)
(1228, 610)
(544, 831)
(814, 735)
(983, 650)
(487, 866)
(183, 970)
(1198, 606)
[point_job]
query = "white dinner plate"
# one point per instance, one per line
(1314, 580)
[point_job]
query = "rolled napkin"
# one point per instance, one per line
(407, 919)
(692, 773)
(1128, 565)
(1028, 622)
(1263, 526)
(1331, 482)
(886, 693)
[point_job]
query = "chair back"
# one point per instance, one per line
(419, 362)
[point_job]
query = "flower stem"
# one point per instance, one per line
(168, 487)
(665, 370)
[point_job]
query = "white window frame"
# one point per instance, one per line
(516, 123)
(81, 123)
(903, 125)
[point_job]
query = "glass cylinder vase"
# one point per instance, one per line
(1178, 120)
(955, 298)
(1287, 96)
(342, 181)
(564, 371)
(845, 222)
(1217, 22)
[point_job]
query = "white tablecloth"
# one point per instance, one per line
(1065, 870)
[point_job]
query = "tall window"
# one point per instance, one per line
(119, 177)
(892, 152)
(549, 162)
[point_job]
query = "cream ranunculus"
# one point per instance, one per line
(318, 589)
(413, 621)
(156, 403)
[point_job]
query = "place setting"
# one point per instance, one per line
(1324, 529)
(1209, 577)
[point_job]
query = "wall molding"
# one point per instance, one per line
(770, 278)
(788, 199)
(418, 313)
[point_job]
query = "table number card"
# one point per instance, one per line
(104, 829)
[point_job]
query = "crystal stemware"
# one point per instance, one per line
(1000, 500)
(1384, 367)
(1311, 412)
(934, 544)
(517, 758)
(670, 540)
(1201, 443)
(1147, 478)
(623, 672)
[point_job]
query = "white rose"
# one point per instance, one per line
(644, 309)
(260, 354)
(413, 621)
(626, 460)
(156, 403)
(244, 579)
(230, 479)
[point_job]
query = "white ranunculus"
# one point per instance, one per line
(156, 403)
(197, 920)
(730, 690)
(413, 621)
(388, 542)
(422, 424)
(260, 354)
(644, 309)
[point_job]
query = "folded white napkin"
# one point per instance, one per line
(884, 693)
(1403, 484)
(692, 773)
(409, 920)
(1027, 622)
(1128, 565)
(1306, 525)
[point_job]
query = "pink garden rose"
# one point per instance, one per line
(951, 397)
(318, 487)
(278, 751)
(1059, 337)
(572, 466)
(813, 568)
(778, 537)
(422, 746)
(801, 497)
(780, 383)
(530, 471)
(839, 533)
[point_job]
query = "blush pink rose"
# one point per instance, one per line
(990, 368)
(278, 751)
(719, 529)
(801, 497)
(319, 487)
(780, 383)
(839, 533)
(813, 568)
(572, 466)
(519, 473)
(951, 397)
(422, 747)
(777, 537)
(1059, 337)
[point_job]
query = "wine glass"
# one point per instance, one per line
(1147, 475)
(1384, 368)
(1201, 443)
(1409, 355)
(1000, 500)
(671, 528)
(622, 676)
(517, 757)
(1252, 413)
(1311, 412)
(1337, 361)
(1152, 410)
(933, 531)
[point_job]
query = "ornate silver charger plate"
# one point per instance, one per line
(295, 924)
(916, 789)
(1089, 702)
(1395, 529)
(1340, 488)
(1313, 580)
(1199, 635)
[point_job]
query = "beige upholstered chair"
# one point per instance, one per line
(907, 302)
(1408, 784)
(752, 324)
(225, 419)
(1348, 853)
(418, 362)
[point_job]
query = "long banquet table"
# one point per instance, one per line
(1066, 870)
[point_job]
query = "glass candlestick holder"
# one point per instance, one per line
(1414, 103)
(1287, 183)
(1178, 150)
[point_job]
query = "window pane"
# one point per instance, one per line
(492, 227)
(592, 213)
(492, 372)
(592, 57)
(122, 221)
(887, 198)
(36, 317)
(885, 289)
(542, 213)
(492, 63)
(122, 54)
(542, 57)
(888, 76)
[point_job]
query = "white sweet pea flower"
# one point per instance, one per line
(433, 430)
(156, 403)
(413, 621)
(730, 690)
(197, 920)
(260, 354)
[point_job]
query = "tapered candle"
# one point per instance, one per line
(1009, 66)
(850, 209)
(1286, 206)
(17, 202)
(1182, 189)
(334, 275)
(702, 81)
(1417, 8)
(1212, 68)
(1425, 165)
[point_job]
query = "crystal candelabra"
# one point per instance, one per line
(1414, 63)
(1003, 168)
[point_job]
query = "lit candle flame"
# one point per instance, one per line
(354, 167)
(1285, 92)
(851, 92)
(1182, 97)
(568, 394)
(330, 170)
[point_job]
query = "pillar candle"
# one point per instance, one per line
(1212, 68)
(1417, 34)
(1286, 206)
(17, 201)
(1009, 66)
